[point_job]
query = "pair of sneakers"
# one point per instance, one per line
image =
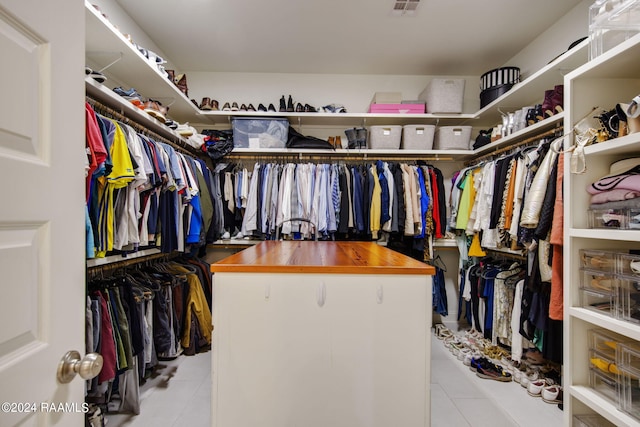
(485, 369)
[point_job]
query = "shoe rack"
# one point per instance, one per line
(608, 79)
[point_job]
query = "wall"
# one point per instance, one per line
(571, 27)
(355, 92)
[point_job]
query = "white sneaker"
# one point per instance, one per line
(226, 235)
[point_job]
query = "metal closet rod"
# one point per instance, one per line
(536, 139)
(100, 269)
(114, 114)
(311, 157)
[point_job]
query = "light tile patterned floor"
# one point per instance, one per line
(180, 395)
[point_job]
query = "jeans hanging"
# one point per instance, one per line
(439, 293)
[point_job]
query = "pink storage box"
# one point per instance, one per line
(397, 108)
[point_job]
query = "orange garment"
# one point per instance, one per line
(508, 210)
(556, 302)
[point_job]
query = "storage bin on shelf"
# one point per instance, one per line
(250, 132)
(618, 219)
(418, 137)
(598, 260)
(385, 137)
(611, 23)
(603, 369)
(397, 108)
(452, 138)
(444, 95)
(591, 420)
(628, 362)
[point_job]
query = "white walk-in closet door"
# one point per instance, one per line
(42, 290)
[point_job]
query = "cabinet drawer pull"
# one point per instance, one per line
(321, 294)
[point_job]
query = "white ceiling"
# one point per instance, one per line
(445, 37)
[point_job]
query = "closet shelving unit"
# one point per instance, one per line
(107, 49)
(125, 66)
(610, 78)
(106, 44)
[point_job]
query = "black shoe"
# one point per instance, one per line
(283, 104)
(251, 108)
(299, 108)
(243, 107)
(309, 109)
(262, 107)
(290, 105)
(272, 108)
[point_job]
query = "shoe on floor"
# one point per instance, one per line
(489, 371)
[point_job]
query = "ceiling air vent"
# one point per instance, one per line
(405, 7)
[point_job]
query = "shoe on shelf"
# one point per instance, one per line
(309, 109)
(171, 124)
(205, 104)
(126, 93)
(283, 105)
(271, 108)
(96, 75)
(262, 107)
(557, 99)
(226, 107)
(234, 106)
(243, 107)
(290, 108)
(155, 109)
(250, 107)
(299, 108)
(225, 236)
(186, 130)
(214, 105)
(181, 82)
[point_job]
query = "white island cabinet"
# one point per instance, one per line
(317, 334)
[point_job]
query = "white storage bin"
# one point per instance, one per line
(444, 95)
(385, 137)
(418, 137)
(452, 138)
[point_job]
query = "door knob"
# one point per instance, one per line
(71, 364)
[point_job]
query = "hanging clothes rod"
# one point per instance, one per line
(329, 157)
(507, 255)
(117, 115)
(535, 139)
(104, 268)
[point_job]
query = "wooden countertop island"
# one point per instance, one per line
(321, 257)
(319, 334)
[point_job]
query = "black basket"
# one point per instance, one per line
(489, 95)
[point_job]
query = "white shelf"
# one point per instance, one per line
(108, 97)
(604, 407)
(104, 44)
(340, 119)
(620, 146)
(443, 155)
(607, 79)
(530, 91)
(605, 234)
(628, 329)
(96, 262)
(620, 62)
